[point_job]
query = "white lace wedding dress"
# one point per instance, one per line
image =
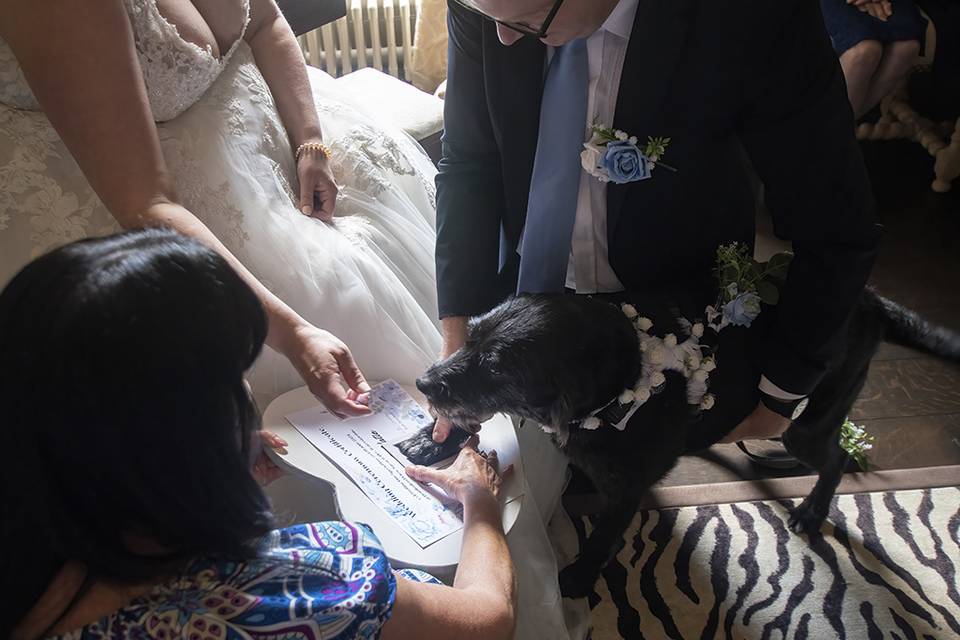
(369, 278)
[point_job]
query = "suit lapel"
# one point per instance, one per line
(515, 85)
(660, 32)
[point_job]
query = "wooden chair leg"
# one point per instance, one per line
(947, 166)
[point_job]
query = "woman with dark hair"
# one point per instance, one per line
(130, 505)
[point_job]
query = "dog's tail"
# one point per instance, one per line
(909, 328)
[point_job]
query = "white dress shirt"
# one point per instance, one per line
(589, 268)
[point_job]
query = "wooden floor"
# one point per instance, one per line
(911, 401)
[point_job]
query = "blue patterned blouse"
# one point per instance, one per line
(329, 581)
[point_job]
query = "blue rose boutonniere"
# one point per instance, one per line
(625, 162)
(745, 285)
(742, 310)
(614, 156)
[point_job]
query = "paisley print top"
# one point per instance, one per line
(328, 580)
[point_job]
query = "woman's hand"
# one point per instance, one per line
(879, 9)
(326, 365)
(318, 191)
(264, 470)
(473, 475)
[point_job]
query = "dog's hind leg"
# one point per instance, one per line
(830, 462)
(815, 440)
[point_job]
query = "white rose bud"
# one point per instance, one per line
(700, 375)
(670, 340)
(709, 365)
(644, 324)
(626, 397)
(698, 330)
(658, 379)
(707, 403)
(642, 395)
(629, 310)
(586, 161)
(591, 424)
(621, 136)
(632, 140)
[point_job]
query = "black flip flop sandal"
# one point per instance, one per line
(774, 460)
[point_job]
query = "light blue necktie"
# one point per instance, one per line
(555, 185)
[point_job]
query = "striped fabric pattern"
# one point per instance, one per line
(885, 565)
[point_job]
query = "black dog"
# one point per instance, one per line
(558, 359)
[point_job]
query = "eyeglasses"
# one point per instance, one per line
(519, 27)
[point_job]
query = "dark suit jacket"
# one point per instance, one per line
(718, 78)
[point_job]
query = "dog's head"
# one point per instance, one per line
(550, 358)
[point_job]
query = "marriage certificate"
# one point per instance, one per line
(363, 449)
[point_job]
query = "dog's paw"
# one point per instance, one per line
(577, 580)
(805, 519)
(421, 449)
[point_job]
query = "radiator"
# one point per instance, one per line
(374, 33)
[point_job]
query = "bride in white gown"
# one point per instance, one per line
(367, 278)
(127, 113)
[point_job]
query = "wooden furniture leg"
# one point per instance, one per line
(947, 166)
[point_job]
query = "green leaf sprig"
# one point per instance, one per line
(855, 440)
(738, 273)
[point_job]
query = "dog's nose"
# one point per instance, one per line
(428, 386)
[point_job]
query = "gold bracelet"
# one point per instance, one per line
(312, 146)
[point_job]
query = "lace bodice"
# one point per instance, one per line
(176, 72)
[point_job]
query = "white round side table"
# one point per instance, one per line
(302, 457)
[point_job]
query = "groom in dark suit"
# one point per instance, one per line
(727, 82)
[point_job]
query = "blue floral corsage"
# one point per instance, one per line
(744, 285)
(615, 156)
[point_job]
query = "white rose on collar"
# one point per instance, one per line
(591, 424)
(629, 310)
(657, 355)
(644, 324)
(591, 157)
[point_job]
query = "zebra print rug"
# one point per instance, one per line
(885, 565)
